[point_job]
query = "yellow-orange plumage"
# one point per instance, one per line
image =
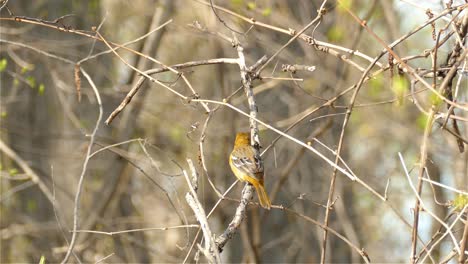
(248, 167)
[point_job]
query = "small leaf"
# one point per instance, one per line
(344, 4)
(335, 34)
(376, 84)
(266, 12)
(421, 121)
(400, 86)
(237, 3)
(460, 202)
(435, 99)
(251, 5)
(3, 114)
(3, 64)
(31, 81)
(41, 89)
(42, 260)
(15, 82)
(13, 171)
(26, 68)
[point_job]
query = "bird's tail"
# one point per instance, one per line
(263, 196)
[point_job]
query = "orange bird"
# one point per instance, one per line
(248, 167)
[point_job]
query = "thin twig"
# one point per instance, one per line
(413, 188)
(79, 188)
(136, 230)
(422, 167)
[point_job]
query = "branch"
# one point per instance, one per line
(247, 192)
(79, 188)
(27, 170)
(210, 251)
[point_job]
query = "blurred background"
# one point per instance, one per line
(45, 130)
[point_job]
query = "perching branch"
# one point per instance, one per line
(247, 192)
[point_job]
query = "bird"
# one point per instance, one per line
(247, 166)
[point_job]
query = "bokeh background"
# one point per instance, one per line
(139, 184)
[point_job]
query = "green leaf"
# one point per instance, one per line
(335, 34)
(3, 64)
(31, 81)
(13, 171)
(421, 121)
(344, 4)
(176, 134)
(251, 5)
(266, 12)
(15, 82)
(376, 84)
(460, 202)
(41, 89)
(237, 3)
(3, 114)
(435, 99)
(400, 86)
(26, 68)
(42, 260)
